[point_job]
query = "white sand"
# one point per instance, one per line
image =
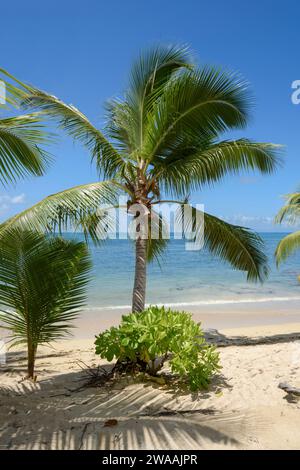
(243, 409)
(93, 320)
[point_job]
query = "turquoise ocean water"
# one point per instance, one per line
(186, 278)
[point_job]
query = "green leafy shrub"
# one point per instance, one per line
(150, 337)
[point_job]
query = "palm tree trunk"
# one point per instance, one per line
(139, 289)
(31, 359)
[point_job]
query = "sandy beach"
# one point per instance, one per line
(223, 316)
(243, 409)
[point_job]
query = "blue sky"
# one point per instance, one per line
(82, 51)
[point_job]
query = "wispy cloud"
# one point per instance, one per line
(7, 201)
(246, 219)
(253, 221)
(18, 199)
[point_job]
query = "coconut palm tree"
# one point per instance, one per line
(161, 141)
(42, 287)
(291, 213)
(21, 136)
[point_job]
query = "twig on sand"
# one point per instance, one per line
(95, 377)
(66, 394)
(99, 376)
(167, 412)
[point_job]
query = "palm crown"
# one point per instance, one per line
(161, 141)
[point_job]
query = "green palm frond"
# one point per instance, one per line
(77, 125)
(120, 126)
(15, 90)
(42, 285)
(98, 224)
(291, 210)
(195, 164)
(20, 151)
(63, 209)
(287, 246)
(21, 137)
(154, 68)
(158, 236)
(203, 102)
(237, 245)
(241, 247)
(149, 76)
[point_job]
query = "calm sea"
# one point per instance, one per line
(186, 277)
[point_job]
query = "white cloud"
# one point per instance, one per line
(18, 199)
(7, 201)
(256, 221)
(244, 219)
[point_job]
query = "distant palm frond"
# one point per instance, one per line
(287, 246)
(290, 213)
(239, 246)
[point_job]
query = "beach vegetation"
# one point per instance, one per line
(42, 288)
(150, 338)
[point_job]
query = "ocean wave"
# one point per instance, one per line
(197, 303)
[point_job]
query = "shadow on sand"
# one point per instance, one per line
(60, 413)
(215, 337)
(52, 414)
